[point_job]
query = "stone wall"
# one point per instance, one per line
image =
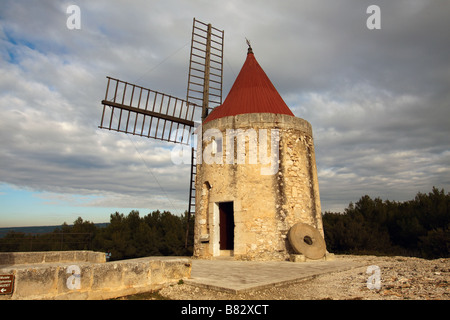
(265, 205)
(11, 258)
(78, 280)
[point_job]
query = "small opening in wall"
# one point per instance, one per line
(308, 240)
(226, 223)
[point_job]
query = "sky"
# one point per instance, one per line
(378, 100)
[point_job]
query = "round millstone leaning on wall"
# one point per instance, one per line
(307, 240)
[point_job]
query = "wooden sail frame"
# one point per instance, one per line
(133, 109)
(205, 79)
(147, 113)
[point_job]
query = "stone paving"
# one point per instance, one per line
(241, 276)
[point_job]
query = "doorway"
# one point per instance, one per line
(226, 221)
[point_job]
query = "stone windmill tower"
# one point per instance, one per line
(254, 180)
(257, 192)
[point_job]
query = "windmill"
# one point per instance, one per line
(136, 110)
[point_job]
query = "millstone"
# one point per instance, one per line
(307, 240)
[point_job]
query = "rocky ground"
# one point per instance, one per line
(401, 278)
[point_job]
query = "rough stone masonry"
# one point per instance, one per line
(264, 207)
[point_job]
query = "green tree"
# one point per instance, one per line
(419, 227)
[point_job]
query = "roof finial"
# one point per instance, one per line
(250, 50)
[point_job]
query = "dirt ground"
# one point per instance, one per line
(400, 278)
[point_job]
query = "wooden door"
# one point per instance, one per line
(226, 213)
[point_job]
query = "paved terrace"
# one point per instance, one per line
(240, 276)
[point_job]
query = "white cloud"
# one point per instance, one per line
(378, 101)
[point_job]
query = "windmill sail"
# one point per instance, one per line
(205, 66)
(136, 110)
(139, 111)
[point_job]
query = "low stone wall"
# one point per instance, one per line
(15, 258)
(77, 280)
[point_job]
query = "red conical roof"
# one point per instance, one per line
(252, 92)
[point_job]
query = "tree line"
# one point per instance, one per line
(125, 237)
(419, 227)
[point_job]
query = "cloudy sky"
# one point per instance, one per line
(378, 100)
